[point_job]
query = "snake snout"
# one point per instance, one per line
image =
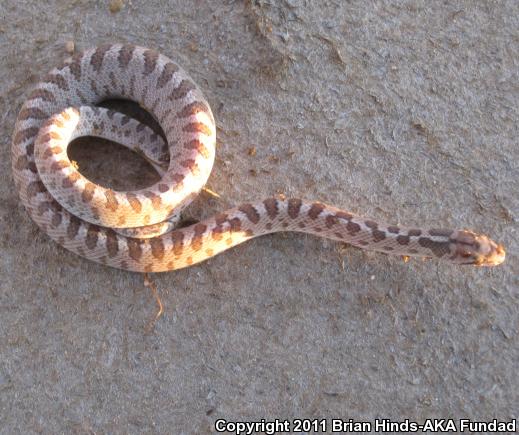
(478, 249)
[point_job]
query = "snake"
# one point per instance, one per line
(138, 230)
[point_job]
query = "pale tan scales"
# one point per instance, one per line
(133, 230)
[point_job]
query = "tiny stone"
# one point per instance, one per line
(116, 6)
(70, 47)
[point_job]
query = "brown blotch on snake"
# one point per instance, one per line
(73, 227)
(315, 210)
(403, 240)
(92, 236)
(196, 242)
(35, 187)
(125, 55)
(94, 87)
(112, 243)
(331, 220)
(150, 61)
(189, 164)
(294, 206)
(88, 192)
(134, 202)
(82, 97)
(157, 248)
(70, 180)
(217, 233)
(23, 163)
(378, 235)
(134, 248)
(24, 135)
(51, 135)
(167, 74)
(156, 202)
(251, 213)
(177, 237)
(32, 112)
(195, 144)
(97, 58)
(271, 206)
(234, 224)
(111, 200)
(371, 224)
(56, 219)
(440, 232)
(197, 127)
(43, 207)
(182, 90)
(59, 123)
(66, 115)
(344, 215)
(192, 109)
(75, 67)
(221, 218)
(52, 151)
(352, 228)
(177, 178)
(43, 94)
(438, 248)
(60, 164)
(58, 80)
(95, 212)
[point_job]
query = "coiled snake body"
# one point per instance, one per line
(134, 230)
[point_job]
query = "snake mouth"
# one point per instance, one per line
(478, 250)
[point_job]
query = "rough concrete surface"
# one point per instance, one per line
(402, 110)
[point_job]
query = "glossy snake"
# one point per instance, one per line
(134, 230)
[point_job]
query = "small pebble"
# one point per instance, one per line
(115, 6)
(70, 47)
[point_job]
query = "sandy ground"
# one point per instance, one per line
(405, 111)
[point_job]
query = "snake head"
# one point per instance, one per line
(476, 249)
